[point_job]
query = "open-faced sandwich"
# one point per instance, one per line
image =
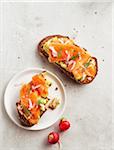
(73, 60)
(34, 101)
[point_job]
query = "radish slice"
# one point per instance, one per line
(54, 53)
(68, 55)
(73, 63)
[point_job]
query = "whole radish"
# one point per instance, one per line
(64, 125)
(53, 137)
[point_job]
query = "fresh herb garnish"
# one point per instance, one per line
(74, 57)
(26, 111)
(60, 53)
(41, 101)
(87, 64)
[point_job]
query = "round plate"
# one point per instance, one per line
(12, 96)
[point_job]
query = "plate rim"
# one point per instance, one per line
(8, 85)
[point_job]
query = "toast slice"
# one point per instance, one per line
(33, 100)
(73, 60)
(23, 118)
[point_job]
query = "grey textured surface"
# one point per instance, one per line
(88, 107)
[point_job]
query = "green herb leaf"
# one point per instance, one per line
(41, 101)
(74, 57)
(60, 53)
(87, 64)
(26, 111)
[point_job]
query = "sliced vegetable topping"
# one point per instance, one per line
(87, 64)
(41, 101)
(71, 57)
(26, 111)
(74, 57)
(33, 98)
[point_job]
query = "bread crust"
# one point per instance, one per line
(69, 74)
(22, 118)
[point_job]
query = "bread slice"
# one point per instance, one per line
(22, 117)
(24, 121)
(69, 74)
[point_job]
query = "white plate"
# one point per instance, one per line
(12, 96)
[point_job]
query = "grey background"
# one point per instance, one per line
(88, 108)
